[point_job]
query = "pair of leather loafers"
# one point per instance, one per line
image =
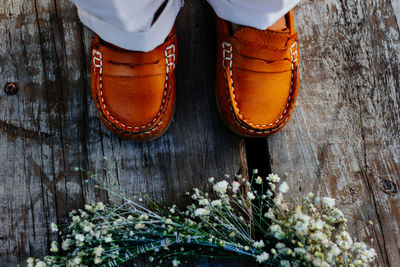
(257, 82)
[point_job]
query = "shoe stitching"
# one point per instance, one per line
(138, 133)
(98, 63)
(227, 49)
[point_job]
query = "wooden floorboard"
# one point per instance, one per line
(52, 125)
(343, 140)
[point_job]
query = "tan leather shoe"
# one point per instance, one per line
(134, 92)
(257, 77)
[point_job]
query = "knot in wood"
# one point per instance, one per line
(11, 88)
(388, 187)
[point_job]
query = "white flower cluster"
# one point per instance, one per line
(311, 234)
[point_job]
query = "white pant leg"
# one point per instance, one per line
(128, 23)
(258, 14)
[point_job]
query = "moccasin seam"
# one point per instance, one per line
(283, 118)
(98, 63)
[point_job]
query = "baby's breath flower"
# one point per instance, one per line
(84, 215)
(190, 222)
(301, 227)
(250, 196)
(80, 237)
(275, 228)
(211, 179)
(76, 219)
(272, 186)
(66, 243)
(87, 227)
(221, 187)
(175, 262)
(88, 207)
(278, 199)
(308, 234)
(368, 255)
(321, 238)
(319, 224)
(201, 212)
(300, 251)
(285, 263)
(259, 244)
(263, 257)
(139, 226)
(235, 187)
(203, 202)
(280, 245)
(284, 187)
(358, 245)
(54, 227)
(338, 214)
(99, 206)
(40, 264)
(344, 240)
(143, 217)
(54, 246)
(269, 214)
(330, 202)
(277, 231)
(77, 260)
(30, 261)
(108, 239)
(98, 251)
(216, 203)
(273, 178)
(333, 252)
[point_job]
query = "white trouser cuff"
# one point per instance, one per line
(146, 40)
(260, 19)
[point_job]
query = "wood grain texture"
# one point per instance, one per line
(52, 125)
(343, 140)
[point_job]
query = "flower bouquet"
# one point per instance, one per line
(234, 221)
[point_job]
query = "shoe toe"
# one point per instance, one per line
(262, 99)
(134, 92)
(134, 102)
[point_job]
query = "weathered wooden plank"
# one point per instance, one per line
(343, 139)
(51, 125)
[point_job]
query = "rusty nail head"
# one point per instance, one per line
(11, 88)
